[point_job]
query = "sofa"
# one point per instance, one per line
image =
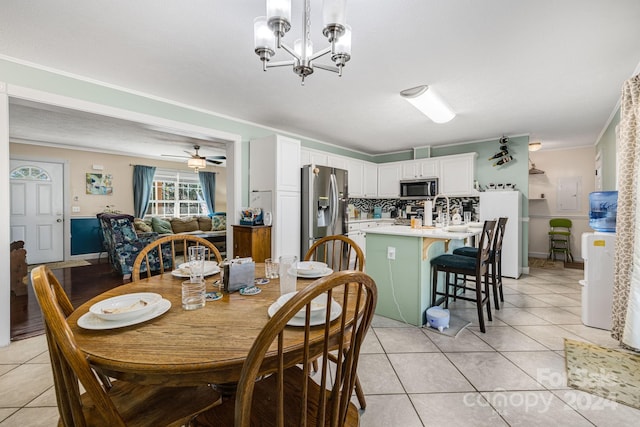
(213, 229)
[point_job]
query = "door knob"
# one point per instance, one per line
(59, 220)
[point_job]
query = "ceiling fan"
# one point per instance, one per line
(195, 160)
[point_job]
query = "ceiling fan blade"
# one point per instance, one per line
(217, 157)
(178, 157)
(190, 153)
(215, 162)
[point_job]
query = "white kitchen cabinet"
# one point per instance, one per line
(429, 168)
(370, 180)
(305, 157)
(274, 165)
(318, 158)
(337, 162)
(389, 180)
(424, 168)
(355, 178)
(457, 174)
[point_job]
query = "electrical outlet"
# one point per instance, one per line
(75, 209)
(391, 252)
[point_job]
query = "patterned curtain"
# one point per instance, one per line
(142, 186)
(208, 184)
(626, 290)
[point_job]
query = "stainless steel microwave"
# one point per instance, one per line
(424, 188)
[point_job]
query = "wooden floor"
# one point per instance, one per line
(80, 284)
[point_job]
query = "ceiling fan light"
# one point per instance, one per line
(429, 103)
(535, 146)
(197, 163)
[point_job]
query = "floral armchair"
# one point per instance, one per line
(122, 243)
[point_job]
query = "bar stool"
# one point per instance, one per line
(495, 259)
(478, 267)
(560, 238)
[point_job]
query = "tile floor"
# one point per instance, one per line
(511, 375)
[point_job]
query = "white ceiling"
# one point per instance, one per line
(550, 69)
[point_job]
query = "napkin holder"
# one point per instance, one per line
(238, 273)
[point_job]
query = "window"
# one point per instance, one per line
(176, 194)
(33, 173)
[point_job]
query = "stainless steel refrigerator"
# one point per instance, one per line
(324, 204)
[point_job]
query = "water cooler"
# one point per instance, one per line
(598, 251)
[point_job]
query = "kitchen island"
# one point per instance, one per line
(404, 283)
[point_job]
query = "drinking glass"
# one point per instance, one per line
(193, 294)
(467, 217)
(288, 273)
(271, 268)
(197, 257)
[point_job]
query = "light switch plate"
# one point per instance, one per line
(75, 209)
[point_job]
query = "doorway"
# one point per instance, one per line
(37, 209)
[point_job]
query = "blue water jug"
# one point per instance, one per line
(603, 206)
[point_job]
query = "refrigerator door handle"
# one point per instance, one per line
(333, 189)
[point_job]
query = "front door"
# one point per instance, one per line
(37, 209)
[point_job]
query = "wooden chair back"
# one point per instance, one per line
(339, 253)
(170, 246)
(68, 362)
(498, 236)
(300, 400)
(484, 249)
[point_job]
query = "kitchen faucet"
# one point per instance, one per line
(445, 220)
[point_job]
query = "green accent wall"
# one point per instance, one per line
(606, 146)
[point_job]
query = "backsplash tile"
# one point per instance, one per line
(388, 205)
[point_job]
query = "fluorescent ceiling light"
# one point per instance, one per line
(429, 103)
(535, 146)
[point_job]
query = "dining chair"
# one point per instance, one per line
(477, 268)
(118, 403)
(170, 247)
(495, 260)
(275, 387)
(339, 253)
(560, 238)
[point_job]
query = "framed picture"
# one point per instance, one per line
(99, 184)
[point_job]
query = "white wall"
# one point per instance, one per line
(574, 163)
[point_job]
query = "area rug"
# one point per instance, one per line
(545, 263)
(605, 372)
(456, 325)
(61, 264)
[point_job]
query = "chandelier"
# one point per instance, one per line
(269, 31)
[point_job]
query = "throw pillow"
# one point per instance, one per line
(161, 226)
(204, 223)
(183, 225)
(142, 226)
(218, 223)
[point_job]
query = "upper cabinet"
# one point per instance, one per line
(389, 179)
(370, 179)
(457, 174)
(423, 168)
(274, 164)
(355, 178)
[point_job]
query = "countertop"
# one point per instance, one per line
(358, 220)
(434, 233)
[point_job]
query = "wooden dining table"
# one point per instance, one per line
(189, 347)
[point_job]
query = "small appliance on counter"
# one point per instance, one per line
(377, 212)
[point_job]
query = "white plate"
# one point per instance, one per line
(310, 267)
(91, 321)
(336, 309)
(129, 305)
(313, 275)
(210, 267)
(318, 305)
(475, 224)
